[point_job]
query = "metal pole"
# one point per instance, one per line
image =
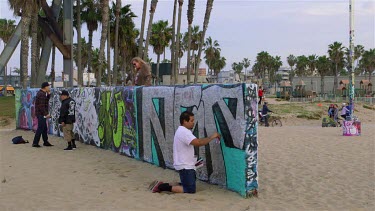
(351, 51)
(68, 40)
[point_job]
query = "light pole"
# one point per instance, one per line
(351, 52)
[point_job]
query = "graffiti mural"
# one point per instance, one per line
(351, 128)
(140, 122)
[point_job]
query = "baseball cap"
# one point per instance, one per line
(45, 84)
(64, 92)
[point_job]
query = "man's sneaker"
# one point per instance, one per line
(36, 145)
(155, 189)
(47, 144)
(69, 148)
(74, 146)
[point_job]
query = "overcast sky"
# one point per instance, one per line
(246, 27)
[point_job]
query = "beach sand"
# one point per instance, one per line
(300, 168)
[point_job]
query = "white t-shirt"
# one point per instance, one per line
(183, 151)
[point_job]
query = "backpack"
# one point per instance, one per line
(19, 140)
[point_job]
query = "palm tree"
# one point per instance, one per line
(292, 60)
(205, 26)
(34, 44)
(126, 44)
(194, 45)
(103, 38)
(84, 53)
(154, 3)
(219, 63)
(276, 63)
(190, 16)
(302, 66)
(262, 65)
(210, 47)
(177, 51)
(115, 53)
(79, 39)
(173, 46)
(246, 64)
(312, 59)
(26, 9)
(336, 55)
(237, 68)
(7, 28)
(161, 35)
(96, 63)
(367, 62)
(91, 15)
(140, 41)
(323, 66)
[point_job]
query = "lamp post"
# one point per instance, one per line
(351, 52)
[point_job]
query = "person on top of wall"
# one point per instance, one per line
(41, 112)
(265, 115)
(143, 75)
(260, 94)
(67, 118)
(184, 160)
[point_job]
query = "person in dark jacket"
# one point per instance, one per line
(41, 112)
(265, 111)
(67, 118)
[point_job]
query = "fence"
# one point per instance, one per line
(140, 122)
(367, 100)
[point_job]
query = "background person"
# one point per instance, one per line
(41, 112)
(67, 118)
(143, 74)
(183, 157)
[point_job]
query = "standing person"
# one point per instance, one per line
(41, 112)
(67, 118)
(260, 94)
(183, 157)
(265, 111)
(336, 114)
(143, 75)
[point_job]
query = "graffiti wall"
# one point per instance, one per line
(140, 122)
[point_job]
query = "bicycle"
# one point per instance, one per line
(274, 121)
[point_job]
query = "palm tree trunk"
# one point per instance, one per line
(105, 17)
(79, 54)
(157, 70)
(189, 55)
(173, 47)
(115, 59)
(177, 51)
(140, 44)
(34, 49)
(335, 81)
(89, 54)
(53, 65)
(24, 48)
(205, 25)
(152, 11)
(109, 73)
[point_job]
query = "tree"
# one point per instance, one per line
(275, 65)
(302, 66)
(103, 38)
(237, 68)
(190, 17)
(178, 42)
(140, 41)
(312, 59)
(246, 64)
(154, 3)
(25, 9)
(262, 64)
(85, 48)
(79, 44)
(210, 48)
(7, 28)
(336, 55)
(323, 67)
(367, 62)
(194, 46)
(219, 63)
(91, 15)
(292, 60)
(205, 26)
(161, 35)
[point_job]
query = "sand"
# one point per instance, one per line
(300, 168)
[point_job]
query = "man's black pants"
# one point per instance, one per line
(41, 131)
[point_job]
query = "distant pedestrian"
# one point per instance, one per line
(41, 112)
(265, 114)
(143, 74)
(67, 118)
(260, 94)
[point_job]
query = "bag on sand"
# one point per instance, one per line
(19, 140)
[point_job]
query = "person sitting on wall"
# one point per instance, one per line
(184, 160)
(143, 74)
